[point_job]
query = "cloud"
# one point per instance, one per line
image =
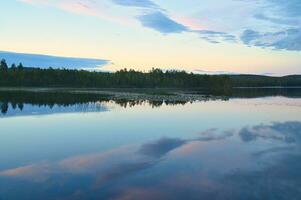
(141, 193)
(122, 170)
(95, 163)
(291, 8)
(161, 22)
(211, 135)
(279, 26)
(273, 150)
(288, 132)
(277, 20)
(160, 147)
(199, 71)
(215, 36)
(283, 40)
(148, 13)
(163, 146)
(109, 164)
(280, 12)
(248, 36)
(104, 10)
(206, 171)
(265, 23)
(136, 3)
(45, 61)
(164, 24)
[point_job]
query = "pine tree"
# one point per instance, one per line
(13, 66)
(20, 66)
(3, 65)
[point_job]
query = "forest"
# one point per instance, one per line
(20, 76)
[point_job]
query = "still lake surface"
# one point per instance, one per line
(241, 147)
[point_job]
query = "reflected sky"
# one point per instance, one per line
(11, 110)
(235, 149)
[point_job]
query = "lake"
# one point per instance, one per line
(63, 146)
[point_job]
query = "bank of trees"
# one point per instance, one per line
(19, 76)
(265, 81)
(156, 78)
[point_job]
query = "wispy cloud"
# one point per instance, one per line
(283, 26)
(291, 8)
(287, 132)
(101, 9)
(148, 13)
(277, 20)
(215, 36)
(282, 40)
(161, 147)
(136, 3)
(161, 22)
(174, 166)
(122, 161)
(45, 61)
(266, 23)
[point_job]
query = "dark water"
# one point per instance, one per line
(64, 146)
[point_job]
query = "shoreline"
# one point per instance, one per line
(155, 94)
(129, 94)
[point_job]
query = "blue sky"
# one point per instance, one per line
(241, 36)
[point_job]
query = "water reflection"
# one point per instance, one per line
(14, 102)
(256, 162)
(288, 132)
(224, 149)
(42, 102)
(265, 92)
(26, 103)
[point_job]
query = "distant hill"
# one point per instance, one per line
(265, 81)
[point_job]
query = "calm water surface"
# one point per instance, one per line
(239, 148)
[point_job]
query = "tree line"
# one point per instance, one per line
(155, 78)
(20, 76)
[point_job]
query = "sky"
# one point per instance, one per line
(208, 36)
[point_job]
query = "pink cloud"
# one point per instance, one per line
(100, 9)
(191, 22)
(89, 163)
(141, 193)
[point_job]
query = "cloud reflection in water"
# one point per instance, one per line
(216, 166)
